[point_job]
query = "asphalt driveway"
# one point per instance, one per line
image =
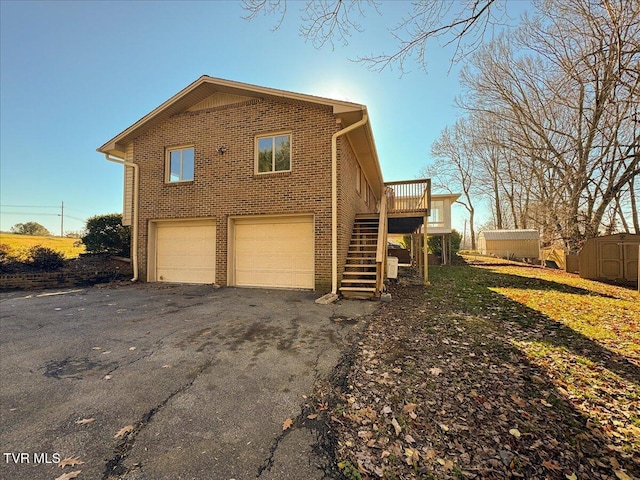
(201, 381)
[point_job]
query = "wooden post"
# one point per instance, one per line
(426, 251)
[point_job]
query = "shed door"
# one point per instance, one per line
(186, 252)
(611, 258)
(274, 252)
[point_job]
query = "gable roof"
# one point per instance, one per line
(207, 92)
(511, 235)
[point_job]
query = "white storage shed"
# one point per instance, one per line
(510, 243)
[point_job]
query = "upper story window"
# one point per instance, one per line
(180, 164)
(273, 153)
(358, 179)
(437, 213)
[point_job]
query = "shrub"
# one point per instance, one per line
(45, 258)
(106, 234)
(5, 252)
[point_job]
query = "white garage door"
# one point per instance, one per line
(274, 252)
(186, 252)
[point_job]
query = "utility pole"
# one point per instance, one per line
(62, 219)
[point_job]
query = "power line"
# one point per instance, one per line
(31, 213)
(30, 206)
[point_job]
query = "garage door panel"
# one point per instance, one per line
(274, 252)
(185, 253)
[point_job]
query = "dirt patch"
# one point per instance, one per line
(82, 271)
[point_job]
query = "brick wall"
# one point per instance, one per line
(226, 185)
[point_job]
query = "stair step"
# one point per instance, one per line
(360, 265)
(360, 273)
(358, 280)
(357, 289)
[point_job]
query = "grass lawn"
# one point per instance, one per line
(19, 244)
(495, 372)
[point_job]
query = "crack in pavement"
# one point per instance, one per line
(115, 466)
(323, 446)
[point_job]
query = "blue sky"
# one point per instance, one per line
(75, 74)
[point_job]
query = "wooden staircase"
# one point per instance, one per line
(359, 279)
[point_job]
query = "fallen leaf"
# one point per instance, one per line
(287, 424)
(444, 427)
(69, 476)
(571, 477)
(430, 453)
(396, 426)
(515, 432)
(409, 407)
(167, 366)
(85, 421)
(313, 416)
(107, 377)
(621, 475)
(408, 438)
(123, 431)
(386, 410)
(106, 352)
(131, 349)
(69, 462)
(435, 371)
(551, 465)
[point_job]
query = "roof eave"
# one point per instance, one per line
(338, 107)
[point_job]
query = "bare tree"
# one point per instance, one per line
(455, 169)
(462, 24)
(566, 89)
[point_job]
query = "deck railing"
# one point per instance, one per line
(409, 196)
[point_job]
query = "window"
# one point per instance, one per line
(180, 164)
(273, 153)
(437, 213)
(358, 179)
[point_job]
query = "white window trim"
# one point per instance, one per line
(359, 179)
(257, 151)
(167, 163)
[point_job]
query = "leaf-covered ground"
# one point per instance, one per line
(494, 372)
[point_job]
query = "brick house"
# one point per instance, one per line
(234, 184)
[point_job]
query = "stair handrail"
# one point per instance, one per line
(381, 251)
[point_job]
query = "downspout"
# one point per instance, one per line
(134, 232)
(334, 199)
